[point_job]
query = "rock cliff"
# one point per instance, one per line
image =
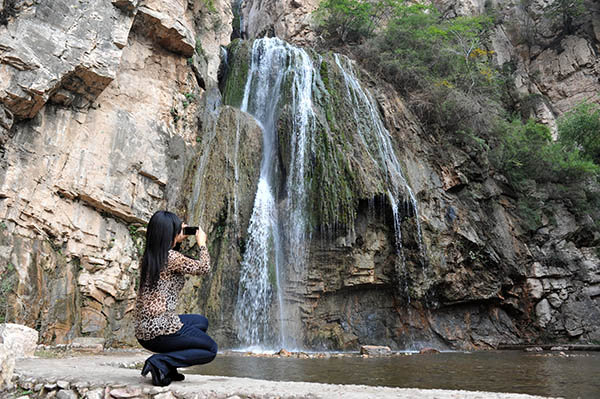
(110, 111)
(100, 102)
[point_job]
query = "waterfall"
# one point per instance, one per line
(278, 93)
(273, 265)
(376, 139)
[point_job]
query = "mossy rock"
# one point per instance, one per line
(239, 62)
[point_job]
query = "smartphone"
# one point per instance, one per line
(189, 230)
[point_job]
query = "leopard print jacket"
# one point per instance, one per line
(155, 306)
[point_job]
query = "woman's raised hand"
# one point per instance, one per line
(200, 237)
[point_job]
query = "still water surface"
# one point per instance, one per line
(575, 376)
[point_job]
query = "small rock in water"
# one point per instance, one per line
(534, 349)
(373, 350)
(284, 353)
(559, 348)
(428, 351)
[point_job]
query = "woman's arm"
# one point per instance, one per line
(180, 263)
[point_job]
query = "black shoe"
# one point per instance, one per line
(175, 376)
(146, 369)
(158, 379)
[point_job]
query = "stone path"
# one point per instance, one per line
(104, 376)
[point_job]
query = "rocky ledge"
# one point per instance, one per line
(109, 375)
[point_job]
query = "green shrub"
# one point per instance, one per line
(352, 20)
(580, 128)
(526, 151)
(440, 66)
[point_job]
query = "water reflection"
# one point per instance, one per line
(549, 374)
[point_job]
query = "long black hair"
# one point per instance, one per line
(163, 227)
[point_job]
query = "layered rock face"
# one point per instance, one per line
(99, 103)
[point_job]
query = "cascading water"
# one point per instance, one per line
(377, 141)
(270, 264)
(279, 92)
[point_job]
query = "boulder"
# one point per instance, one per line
(21, 340)
(165, 24)
(374, 350)
(7, 365)
(66, 394)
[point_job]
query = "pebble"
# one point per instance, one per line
(66, 394)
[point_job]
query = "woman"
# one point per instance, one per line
(179, 340)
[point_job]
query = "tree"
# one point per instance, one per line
(565, 12)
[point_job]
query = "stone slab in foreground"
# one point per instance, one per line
(101, 376)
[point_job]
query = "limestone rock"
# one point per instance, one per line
(94, 394)
(453, 8)
(73, 179)
(66, 394)
(291, 21)
(7, 365)
(165, 395)
(213, 21)
(122, 393)
(567, 77)
(21, 340)
(165, 23)
(374, 350)
(534, 349)
(543, 312)
(284, 353)
(221, 188)
(127, 5)
(536, 289)
(55, 53)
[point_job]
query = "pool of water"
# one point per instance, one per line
(576, 375)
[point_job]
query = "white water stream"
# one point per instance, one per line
(275, 251)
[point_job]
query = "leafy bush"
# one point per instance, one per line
(352, 20)
(419, 47)
(441, 66)
(580, 128)
(527, 152)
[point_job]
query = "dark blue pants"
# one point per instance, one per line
(189, 346)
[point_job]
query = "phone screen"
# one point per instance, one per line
(189, 230)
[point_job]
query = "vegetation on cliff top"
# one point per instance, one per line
(444, 70)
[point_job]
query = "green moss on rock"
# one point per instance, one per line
(239, 59)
